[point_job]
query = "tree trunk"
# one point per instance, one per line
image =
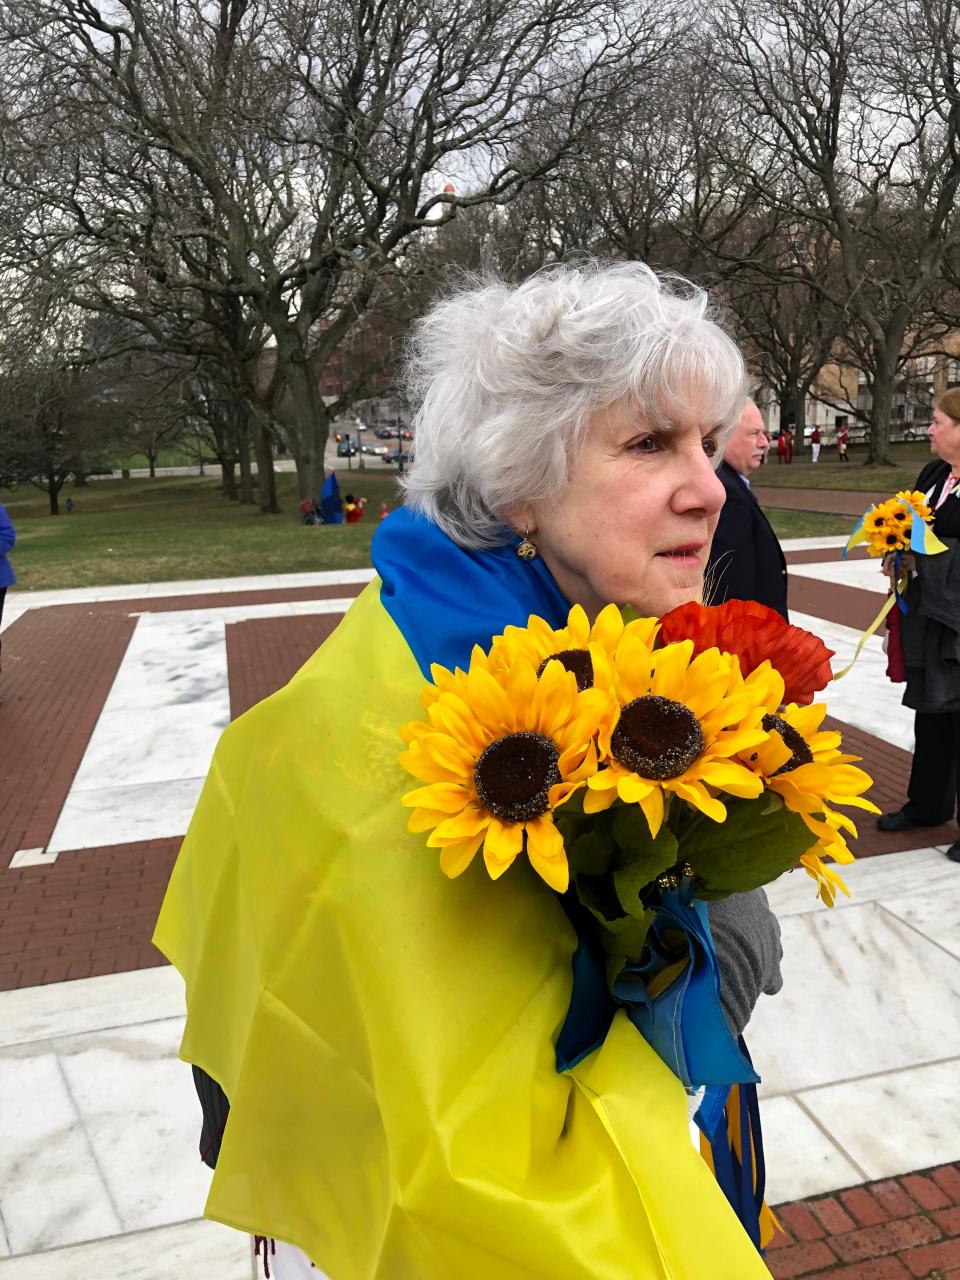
(80, 480)
(799, 422)
(243, 453)
(151, 453)
(53, 493)
(228, 478)
(267, 480)
(881, 410)
(310, 423)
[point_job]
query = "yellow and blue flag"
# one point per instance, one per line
(386, 1036)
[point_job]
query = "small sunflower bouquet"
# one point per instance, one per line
(644, 767)
(898, 524)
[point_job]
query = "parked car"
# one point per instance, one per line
(387, 433)
(347, 449)
(400, 457)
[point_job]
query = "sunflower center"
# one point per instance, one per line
(578, 661)
(514, 775)
(657, 738)
(793, 739)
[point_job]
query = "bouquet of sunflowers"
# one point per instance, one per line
(643, 766)
(896, 525)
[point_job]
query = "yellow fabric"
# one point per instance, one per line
(386, 1035)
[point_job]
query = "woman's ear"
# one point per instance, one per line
(520, 518)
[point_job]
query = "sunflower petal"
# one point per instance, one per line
(455, 858)
(546, 853)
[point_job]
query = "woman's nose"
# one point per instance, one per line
(700, 487)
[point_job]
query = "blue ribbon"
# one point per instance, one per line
(897, 562)
(741, 1179)
(684, 1023)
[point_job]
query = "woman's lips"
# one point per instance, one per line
(688, 553)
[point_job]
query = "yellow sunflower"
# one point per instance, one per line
(678, 727)
(887, 527)
(498, 755)
(915, 499)
(585, 650)
(804, 765)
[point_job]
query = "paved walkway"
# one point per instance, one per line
(111, 701)
(841, 502)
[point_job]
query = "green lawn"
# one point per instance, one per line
(908, 460)
(806, 524)
(181, 527)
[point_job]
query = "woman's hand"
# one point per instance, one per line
(908, 565)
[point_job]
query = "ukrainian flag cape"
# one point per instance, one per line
(386, 1035)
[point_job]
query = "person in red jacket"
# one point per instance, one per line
(354, 508)
(843, 439)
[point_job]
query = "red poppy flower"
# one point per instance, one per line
(754, 633)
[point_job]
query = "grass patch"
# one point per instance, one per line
(908, 461)
(806, 524)
(181, 527)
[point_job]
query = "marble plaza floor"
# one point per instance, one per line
(111, 701)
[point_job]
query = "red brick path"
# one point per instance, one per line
(841, 502)
(889, 766)
(264, 653)
(88, 913)
(58, 666)
(904, 1228)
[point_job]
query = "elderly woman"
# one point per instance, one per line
(385, 1036)
(930, 633)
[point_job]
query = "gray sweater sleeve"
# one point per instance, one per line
(746, 934)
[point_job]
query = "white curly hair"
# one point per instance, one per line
(504, 380)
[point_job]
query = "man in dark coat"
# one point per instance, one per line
(746, 562)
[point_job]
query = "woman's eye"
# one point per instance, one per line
(710, 446)
(647, 444)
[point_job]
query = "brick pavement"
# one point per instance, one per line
(839, 502)
(264, 653)
(905, 1228)
(90, 912)
(889, 766)
(58, 666)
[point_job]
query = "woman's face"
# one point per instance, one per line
(635, 523)
(944, 436)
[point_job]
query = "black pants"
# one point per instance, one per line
(934, 780)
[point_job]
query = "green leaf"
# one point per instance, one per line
(597, 895)
(640, 857)
(592, 852)
(758, 842)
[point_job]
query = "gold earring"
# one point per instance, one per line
(526, 550)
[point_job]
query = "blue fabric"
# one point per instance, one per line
(331, 508)
(685, 1023)
(445, 600)
(7, 539)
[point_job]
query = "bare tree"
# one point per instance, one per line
(282, 155)
(59, 416)
(851, 113)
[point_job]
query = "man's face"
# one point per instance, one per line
(746, 446)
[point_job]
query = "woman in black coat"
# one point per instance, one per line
(931, 639)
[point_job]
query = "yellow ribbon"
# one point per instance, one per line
(887, 606)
